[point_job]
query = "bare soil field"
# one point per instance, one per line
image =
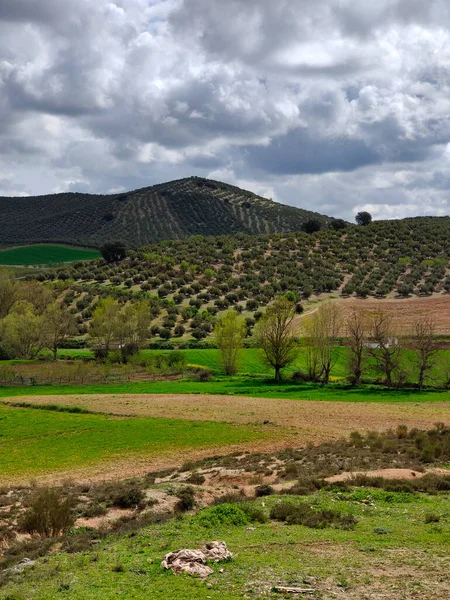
(406, 311)
(296, 423)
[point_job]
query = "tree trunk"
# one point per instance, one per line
(55, 353)
(277, 373)
(421, 378)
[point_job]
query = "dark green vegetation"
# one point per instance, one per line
(190, 281)
(45, 254)
(362, 538)
(35, 441)
(177, 209)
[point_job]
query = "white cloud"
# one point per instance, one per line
(327, 104)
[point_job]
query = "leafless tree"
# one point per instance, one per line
(385, 345)
(426, 347)
(357, 329)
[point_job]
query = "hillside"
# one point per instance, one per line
(191, 281)
(173, 210)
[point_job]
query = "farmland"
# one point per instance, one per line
(38, 442)
(402, 266)
(45, 254)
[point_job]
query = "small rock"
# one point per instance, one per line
(21, 566)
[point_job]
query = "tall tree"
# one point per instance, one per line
(8, 292)
(363, 218)
(357, 329)
(21, 332)
(104, 325)
(113, 251)
(385, 346)
(321, 330)
(276, 337)
(230, 333)
(133, 327)
(57, 324)
(426, 347)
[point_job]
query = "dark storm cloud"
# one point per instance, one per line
(345, 100)
(297, 153)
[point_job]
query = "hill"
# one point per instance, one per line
(173, 210)
(191, 281)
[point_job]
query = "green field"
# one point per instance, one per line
(238, 386)
(251, 362)
(33, 442)
(45, 254)
(392, 553)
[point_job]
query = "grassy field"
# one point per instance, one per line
(45, 254)
(238, 386)
(392, 553)
(35, 442)
(251, 361)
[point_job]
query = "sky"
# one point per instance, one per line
(335, 106)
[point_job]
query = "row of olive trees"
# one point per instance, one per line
(30, 319)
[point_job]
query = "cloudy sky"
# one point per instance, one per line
(331, 105)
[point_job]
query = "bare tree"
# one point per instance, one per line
(357, 327)
(426, 347)
(275, 335)
(385, 346)
(230, 333)
(322, 329)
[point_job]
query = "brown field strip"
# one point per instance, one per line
(299, 422)
(405, 312)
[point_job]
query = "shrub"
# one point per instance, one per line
(432, 518)
(186, 499)
(264, 490)
(122, 495)
(50, 514)
(222, 515)
(303, 514)
(196, 479)
(128, 498)
(204, 374)
(94, 509)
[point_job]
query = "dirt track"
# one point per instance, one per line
(300, 422)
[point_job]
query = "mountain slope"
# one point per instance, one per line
(173, 210)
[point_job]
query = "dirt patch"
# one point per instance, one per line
(405, 312)
(386, 474)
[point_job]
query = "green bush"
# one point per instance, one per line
(264, 490)
(222, 515)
